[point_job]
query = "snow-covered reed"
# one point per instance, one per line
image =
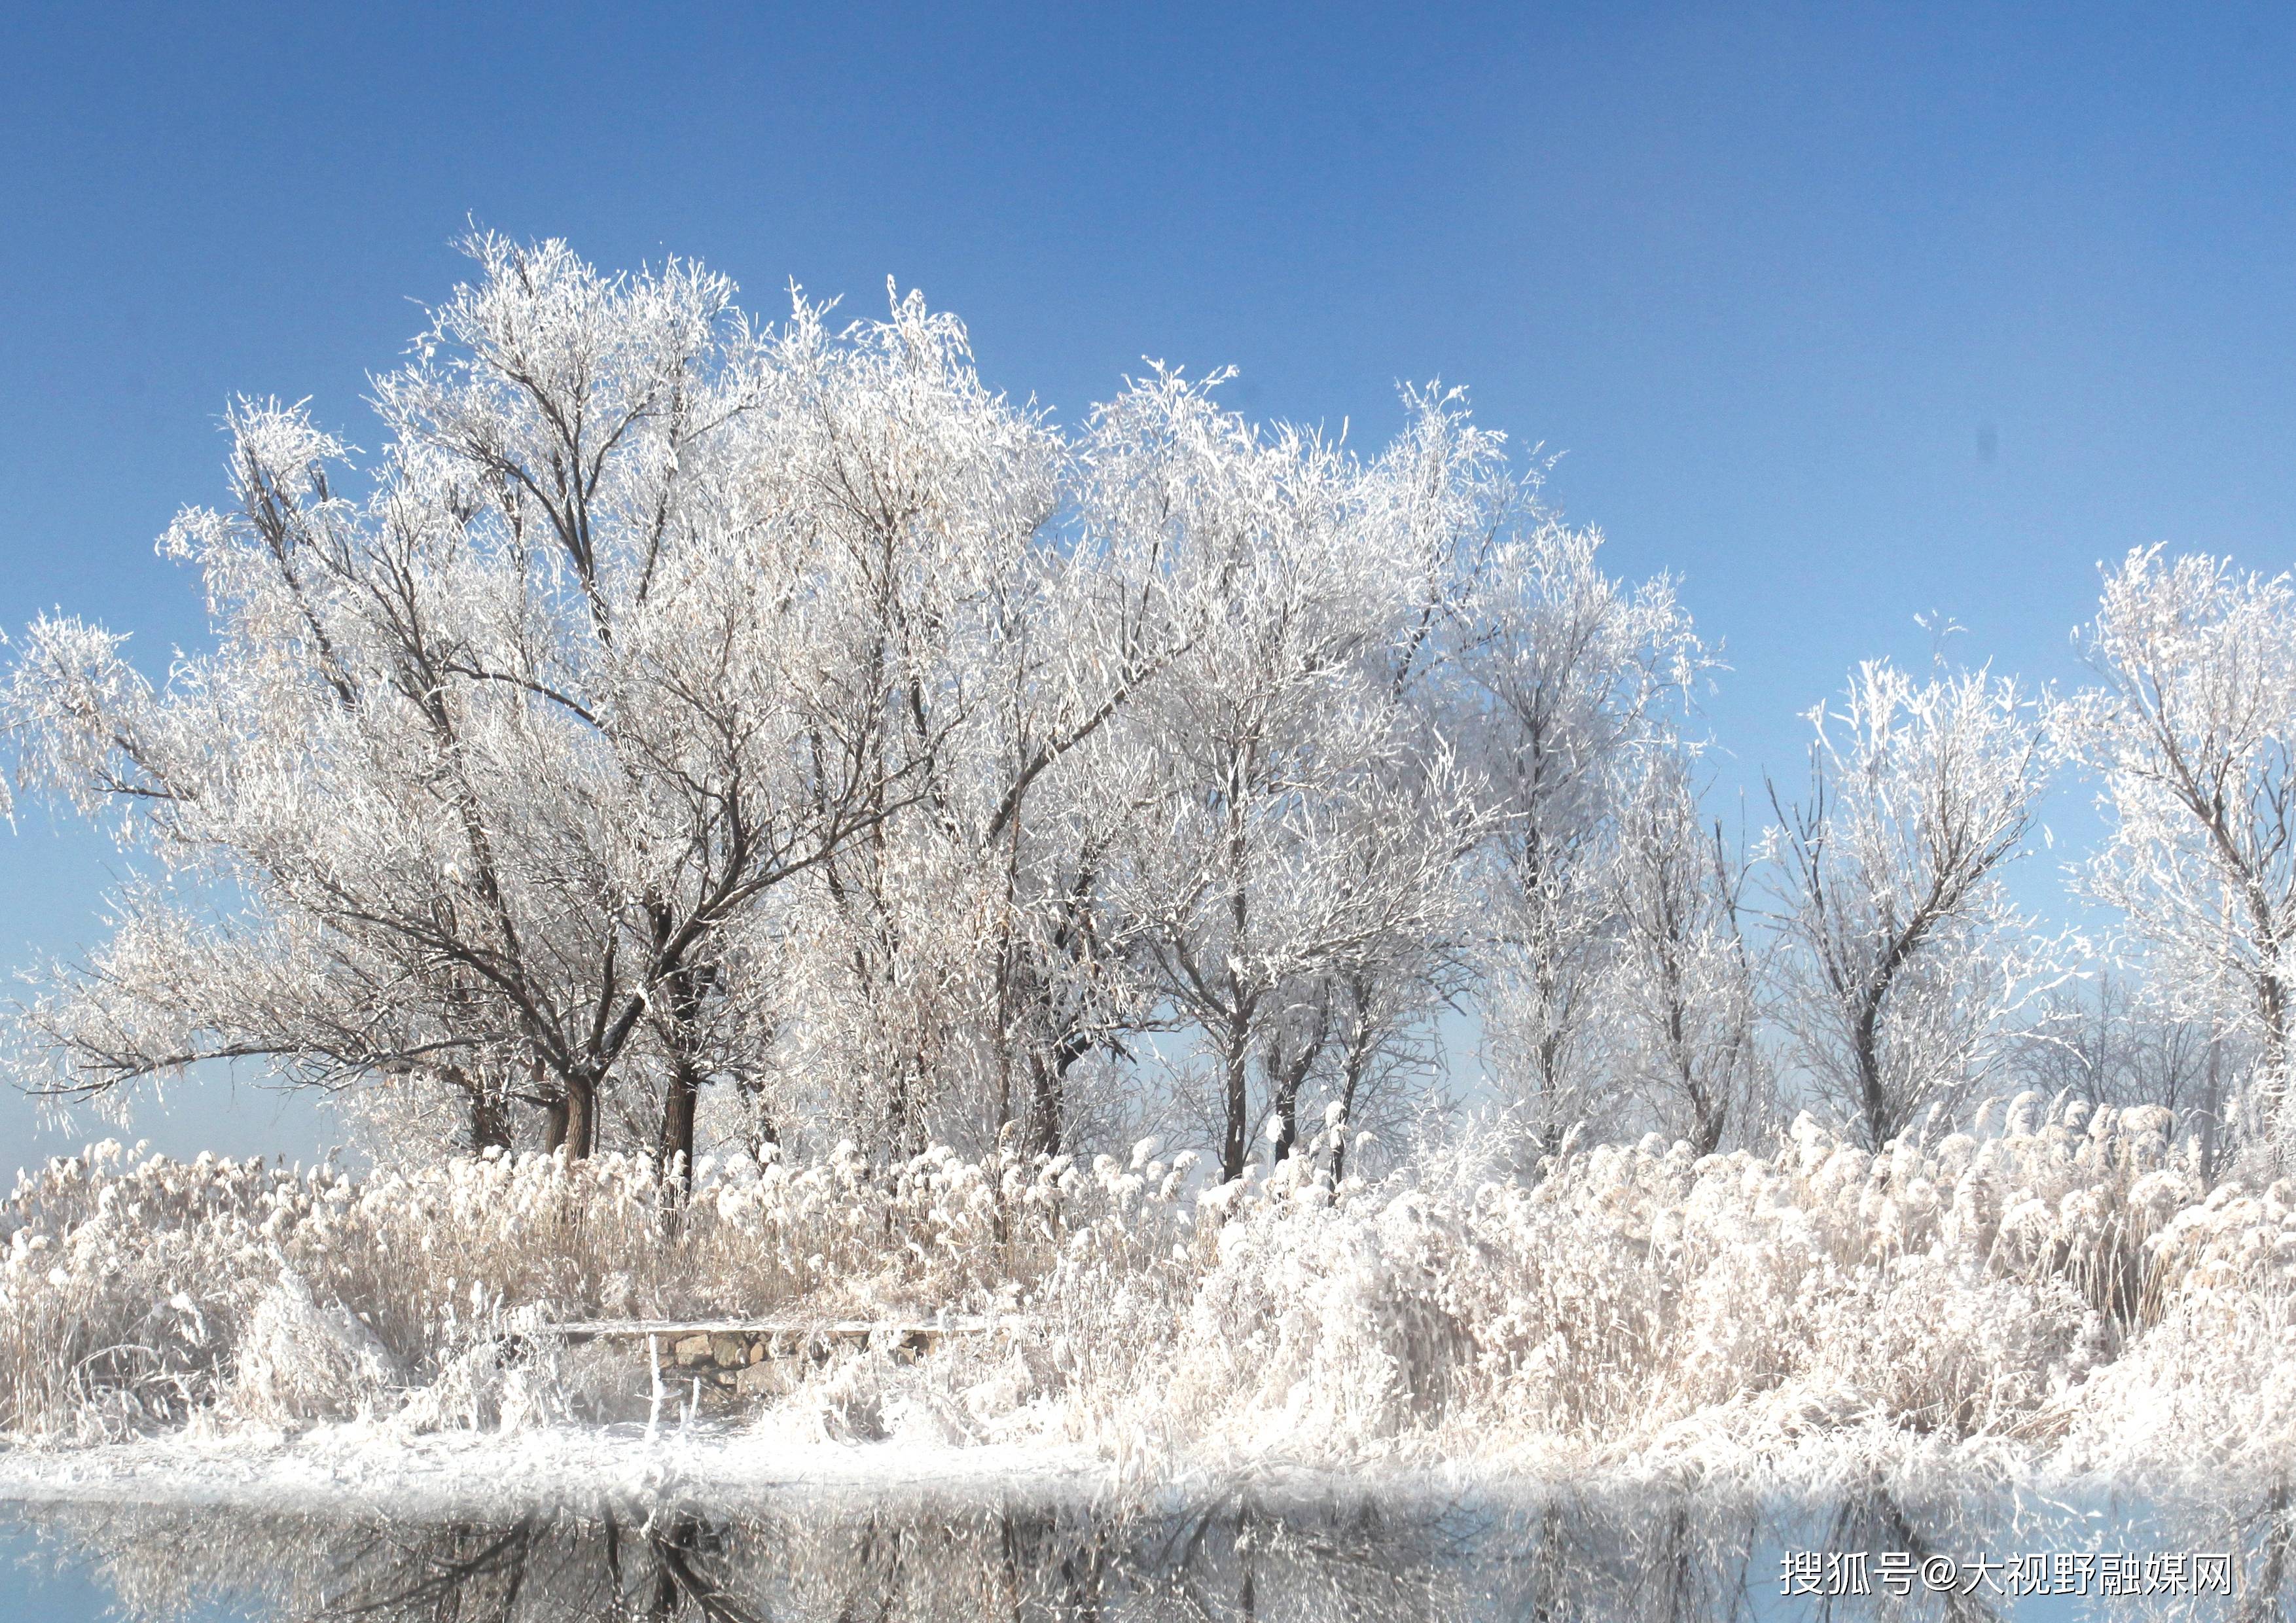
(136, 1292)
(2054, 1283)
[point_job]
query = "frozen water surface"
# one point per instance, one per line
(1263, 1547)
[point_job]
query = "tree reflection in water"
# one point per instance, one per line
(1248, 1552)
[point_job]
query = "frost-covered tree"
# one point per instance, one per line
(685, 731)
(2190, 732)
(502, 770)
(1445, 498)
(965, 938)
(1903, 957)
(1574, 677)
(1306, 818)
(1684, 984)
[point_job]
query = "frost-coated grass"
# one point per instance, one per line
(2055, 1284)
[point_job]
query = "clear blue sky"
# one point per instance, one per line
(1839, 313)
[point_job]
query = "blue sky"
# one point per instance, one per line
(1839, 313)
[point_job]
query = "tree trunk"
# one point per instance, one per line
(1046, 1108)
(677, 1107)
(490, 1120)
(1708, 1112)
(1358, 1057)
(1287, 1119)
(1290, 1075)
(488, 1110)
(1873, 1100)
(1049, 1085)
(2272, 1005)
(762, 1129)
(1707, 1127)
(2213, 1112)
(674, 1146)
(581, 1115)
(1232, 1144)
